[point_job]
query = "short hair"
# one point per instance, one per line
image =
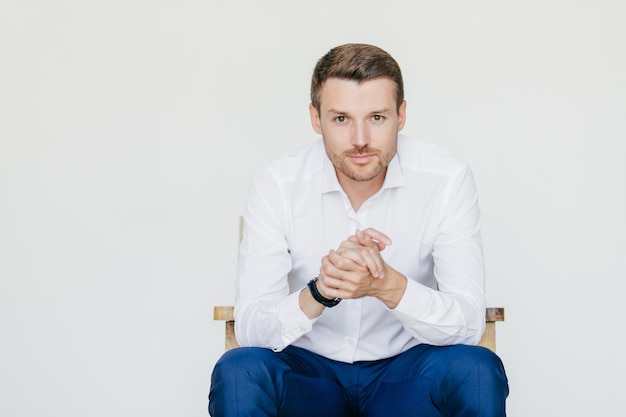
(357, 62)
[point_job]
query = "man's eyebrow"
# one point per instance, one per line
(383, 110)
(379, 111)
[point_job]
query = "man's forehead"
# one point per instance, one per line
(339, 92)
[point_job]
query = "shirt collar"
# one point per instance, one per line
(394, 177)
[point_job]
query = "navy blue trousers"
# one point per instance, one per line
(425, 381)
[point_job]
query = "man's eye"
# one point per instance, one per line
(341, 119)
(378, 118)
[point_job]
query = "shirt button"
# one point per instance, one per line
(350, 342)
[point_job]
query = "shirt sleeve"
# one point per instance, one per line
(266, 314)
(454, 312)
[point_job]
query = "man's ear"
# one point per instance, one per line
(402, 115)
(315, 119)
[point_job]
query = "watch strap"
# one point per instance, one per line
(317, 296)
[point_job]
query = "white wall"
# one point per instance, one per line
(129, 131)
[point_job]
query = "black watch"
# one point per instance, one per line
(326, 302)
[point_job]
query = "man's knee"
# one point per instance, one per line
(236, 381)
(474, 362)
(243, 355)
(248, 360)
(475, 382)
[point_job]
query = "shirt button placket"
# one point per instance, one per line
(354, 316)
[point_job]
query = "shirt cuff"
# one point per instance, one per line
(412, 305)
(294, 323)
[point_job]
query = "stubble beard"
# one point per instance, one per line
(356, 172)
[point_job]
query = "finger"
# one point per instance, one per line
(335, 267)
(377, 235)
(370, 235)
(351, 242)
(348, 284)
(329, 275)
(366, 257)
(347, 260)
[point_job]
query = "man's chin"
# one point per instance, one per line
(362, 174)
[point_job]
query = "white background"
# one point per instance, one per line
(129, 131)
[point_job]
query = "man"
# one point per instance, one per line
(361, 280)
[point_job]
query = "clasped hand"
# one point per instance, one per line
(356, 268)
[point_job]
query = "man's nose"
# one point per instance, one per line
(360, 135)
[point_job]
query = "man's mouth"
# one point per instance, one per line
(361, 158)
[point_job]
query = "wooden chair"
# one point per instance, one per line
(493, 314)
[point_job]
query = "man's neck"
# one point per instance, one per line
(359, 191)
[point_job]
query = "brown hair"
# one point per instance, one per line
(357, 62)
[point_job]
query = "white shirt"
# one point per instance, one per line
(296, 211)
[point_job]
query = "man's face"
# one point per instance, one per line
(359, 123)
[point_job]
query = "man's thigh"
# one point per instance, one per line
(434, 381)
(259, 382)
